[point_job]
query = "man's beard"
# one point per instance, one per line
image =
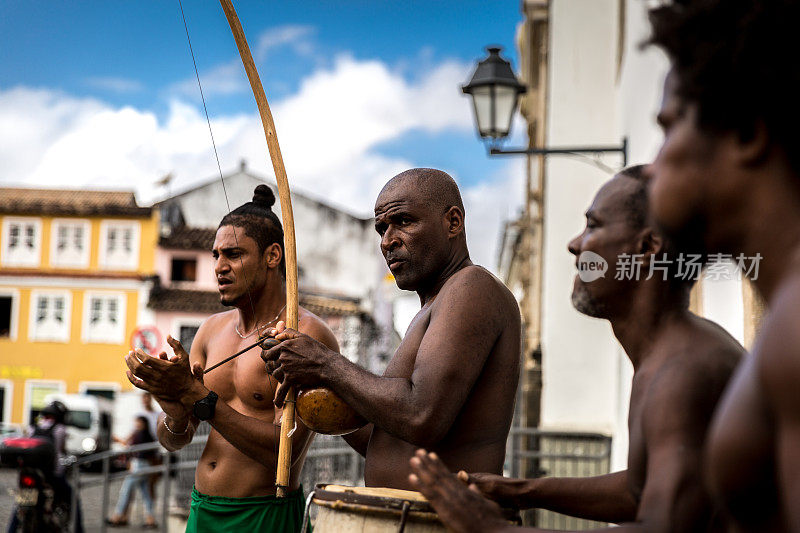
(585, 304)
(410, 278)
(231, 301)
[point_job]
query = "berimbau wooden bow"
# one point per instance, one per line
(320, 409)
(289, 248)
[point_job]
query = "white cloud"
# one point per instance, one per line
(229, 78)
(488, 206)
(116, 85)
(297, 36)
(329, 130)
(34, 119)
(340, 114)
(223, 79)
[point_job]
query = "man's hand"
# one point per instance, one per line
(175, 409)
(171, 380)
(460, 508)
(298, 361)
(503, 490)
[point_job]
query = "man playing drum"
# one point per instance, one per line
(681, 365)
(450, 386)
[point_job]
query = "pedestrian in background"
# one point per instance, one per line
(150, 412)
(139, 460)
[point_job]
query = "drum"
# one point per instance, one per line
(372, 510)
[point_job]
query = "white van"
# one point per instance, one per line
(89, 420)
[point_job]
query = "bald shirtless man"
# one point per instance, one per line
(727, 179)
(235, 479)
(681, 365)
(451, 383)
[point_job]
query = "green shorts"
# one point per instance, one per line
(261, 514)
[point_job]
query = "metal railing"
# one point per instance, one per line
(167, 466)
(329, 460)
(530, 452)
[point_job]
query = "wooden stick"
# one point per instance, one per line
(290, 247)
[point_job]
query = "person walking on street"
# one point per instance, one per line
(139, 460)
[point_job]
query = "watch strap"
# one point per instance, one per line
(204, 409)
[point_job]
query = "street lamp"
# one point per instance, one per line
(494, 90)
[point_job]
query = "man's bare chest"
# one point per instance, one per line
(405, 357)
(243, 380)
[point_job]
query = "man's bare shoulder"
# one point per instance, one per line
(694, 343)
(696, 359)
(315, 327)
(210, 327)
(778, 348)
(474, 297)
(215, 322)
(476, 281)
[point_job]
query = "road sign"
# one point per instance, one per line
(147, 339)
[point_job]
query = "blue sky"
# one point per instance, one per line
(102, 94)
(67, 44)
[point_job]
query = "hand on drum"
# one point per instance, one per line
(298, 361)
(503, 490)
(460, 508)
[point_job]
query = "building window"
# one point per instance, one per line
(70, 243)
(186, 336)
(183, 269)
(21, 241)
(36, 396)
(184, 329)
(119, 245)
(50, 320)
(7, 316)
(99, 388)
(101, 393)
(6, 397)
(104, 317)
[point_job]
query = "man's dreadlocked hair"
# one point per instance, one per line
(259, 222)
(735, 60)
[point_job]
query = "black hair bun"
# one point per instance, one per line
(264, 196)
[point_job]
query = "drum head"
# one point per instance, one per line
(383, 501)
(374, 500)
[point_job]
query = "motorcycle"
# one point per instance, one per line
(42, 500)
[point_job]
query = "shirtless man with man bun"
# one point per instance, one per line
(235, 479)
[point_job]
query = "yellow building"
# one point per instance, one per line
(75, 270)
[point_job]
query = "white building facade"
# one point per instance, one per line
(336, 252)
(601, 87)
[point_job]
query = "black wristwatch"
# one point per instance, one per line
(204, 409)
